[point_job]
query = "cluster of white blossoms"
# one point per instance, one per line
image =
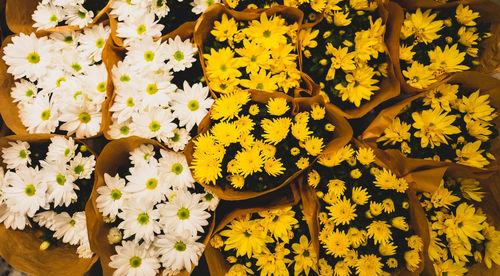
(50, 13)
(156, 214)
(32, 188)
(147, 103)
(60, 80)
(138, 19)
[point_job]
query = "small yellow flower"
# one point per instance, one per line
(277, 106)
(294, 151)
(302, 163)
(317, 112)
(356, 173)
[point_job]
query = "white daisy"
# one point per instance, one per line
(84, 250)
(142, 154)
(132, 259)
(54, 78)
(83, 119)
(82, 167)
(147, 53)
(72, 61)
(126, 103)
(25, 191)
(61, 186)
(95, 79)
(111, 197)
(123, 74)
(184, 213)
(46, 219)
(17, 155)
(61, 148)
(140, 220)
(117, 130)
(77, 15)
(70, 228)
(139, 27)
(13, 220)
(179, 251)
(199, 6)
(180, 139)
(65, 39)
(159, 7)
(92, 41)
(191, 104)
(47, 16)
(114, 235)
(180, 54)
(28, 56)
(157, 123)
(175, 170)
(123, 9)
(211, 200)
(155, 91)
(40, 115)
(23, 91)
(145, 182)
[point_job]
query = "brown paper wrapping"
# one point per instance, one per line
(468, 80)
(21, 249)
(115, 52)
(10, 110)
(114, 155)
(206, 21)
(389, 87)
(489, 61)
(18, 16)
(341, 136)
(217, 265)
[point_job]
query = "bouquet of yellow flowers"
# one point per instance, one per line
(436, 42)
(454, 122)
(462, 233)
(243, 50)
(256, 142)
(365, 216)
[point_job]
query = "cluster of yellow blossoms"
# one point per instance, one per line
(257, 146)
(364, 218)
(345, 52)
(460, 234)
(449, 123)
(438, 42)
(260, 54)
(272, 242)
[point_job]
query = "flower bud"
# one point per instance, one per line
(44, 245)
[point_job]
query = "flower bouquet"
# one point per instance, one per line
(252, 143)
(439, 41)
(250, 50)
(26, 16)
(455, 122)
(44, 93)
(146, 214)
(463, 219)
(46, 181)
(365, 216)
(344, 51)
(275, 240)
(135, 20)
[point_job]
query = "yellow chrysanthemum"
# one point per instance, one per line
(447, 60)
(301, 131)
(274, 263)
(360, 195)
(307, 36)
(419, 75)
(317, 112)
(254, 56)
(225, 133)
(365, 156)
(277, 106)
(313, 145)
(397, 132)
(305, 256)
(335, 158)
(369, 265)
(275, 130)
(386, 180)
(228, 106)
(336, 243)
(465, 224)
(269, 32)
(477, 107)
(471, 155)
(379, 231)
(206, 168)
(239, 270)
(261, 80)
(471, 189)
(313, 178)
(433, 127)
(249, 161)
(222, 64)
(274, 167)
(466, 16)
(422, 25)
(225, 29)
(342, 212)
(443, 198)
(246, 237)
(442, 96)
(360, 85)
(279, 222)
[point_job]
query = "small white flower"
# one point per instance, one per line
(47, 16)
(25, 191)
(184, 213)
(46, 219)
(179, 251)
(65, 39)
(61, 148)
(117, 130)
(155, 92)
(82, 167)
(126, 103)
(111, 197)
(180, 139)
(142, 154)
(23, 92)
(28, 56)
(199, 6)
(175, 169)
(123, 9)
(191, 104)
(17, 155)
(13, 220)
(141, 221)
(211, 200)
(78, 15)
(39, 116)
(157, 123)
(92, 41)
(145, 182)
(95, 80)
(134, 260)
(159, 7)
(70, 228)
(139, 27)
(180, 54)
(83, 119)
(61, 186)
(123, 75)
(114, 235)
(84, 250)
(146, 53)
